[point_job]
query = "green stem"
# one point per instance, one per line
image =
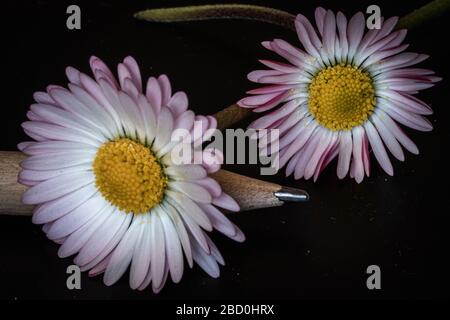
(429, 11)
(219, 11)
(277, 17)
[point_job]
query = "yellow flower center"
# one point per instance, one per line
(129, 176)
(341, 97)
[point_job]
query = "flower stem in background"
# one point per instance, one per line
(230, 116)
(233, 114)
(431, 10)
(274, 16)
(219, 11)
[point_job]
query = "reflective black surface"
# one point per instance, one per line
(319, 249)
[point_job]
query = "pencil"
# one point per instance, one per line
(250, 193)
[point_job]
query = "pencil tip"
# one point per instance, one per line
(291, 195)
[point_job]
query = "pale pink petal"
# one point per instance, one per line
(140, 262)
(397, 132)
(121, 257)
(188, 208)
(173, 248)
(154, 94)
(178, 103)
(78, 217)
(134, 72)
(57, 187)
(54, 209)
(226, 202)
(166, 89)
(357, 161)
(158, 251)
(378, 148)
(319, 14)
(388, 139)
(345, 152)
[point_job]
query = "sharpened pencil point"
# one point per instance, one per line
(291, 195)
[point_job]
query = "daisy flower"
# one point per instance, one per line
(105, 187)
(342, 94)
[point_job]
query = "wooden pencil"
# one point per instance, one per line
(250, 193)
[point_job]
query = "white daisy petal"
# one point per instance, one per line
(191, 225)
(307, 36)
(345, 152)
(47, 147)
(178, 103)
(166, 89)
(22, 146)
(189, 208)
(41, 175)
(303, 133)
(181, 231)
(158, 249)
(215, 251)
(163, 281)
(206, 261)
(386, 28)
(192, 190)
(101, 262)
(77, 218)
(69, 102)
(54, 209)
(106, 123)
(355, 31)
(154, 94)
(186, 172)
(104, 240)
(100, 267)
(388, 139)
(174, 250)
(148, 118)
(55, 115)
(319, 14)
(164, 129)
(122, 254)
(48, 131)
(97, 64)
(57, 187)
(211, 185)
(329, 35)
(134, 115)
(146, 281)
(378, 148)
(95, 89)
(43, 98)
(133, 69)
(219, 221)
(397, 132)
(58, 160)
(140, 263)
(357, 161)
(317, 154)
(408, 119)
(76, 240)
(226, 202)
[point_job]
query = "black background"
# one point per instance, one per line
(316, 250)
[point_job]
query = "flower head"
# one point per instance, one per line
(101, 174)
(343, 92)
